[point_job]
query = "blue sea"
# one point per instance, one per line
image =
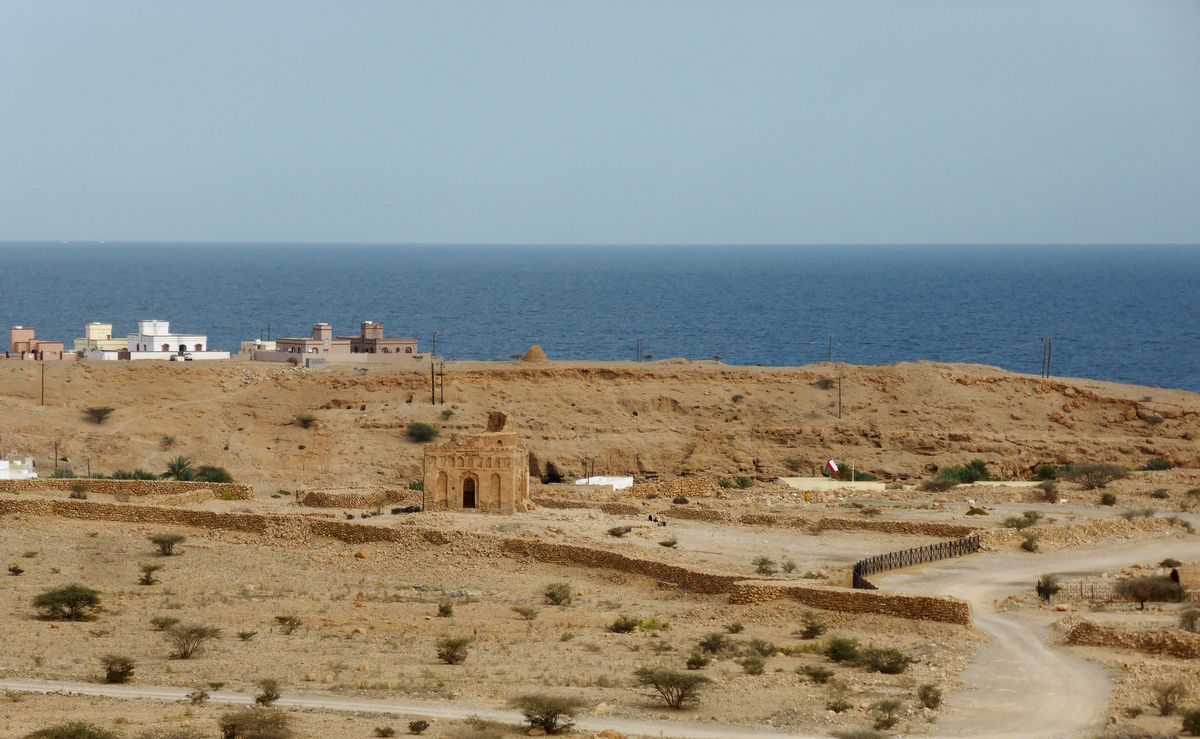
(1122, 313)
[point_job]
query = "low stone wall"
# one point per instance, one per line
(229, 491)
(1062, 536)
(304, 528)
(912, 607)
(909, 528)
(1170, 642)
(363, 499)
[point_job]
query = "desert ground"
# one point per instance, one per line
(369, 613)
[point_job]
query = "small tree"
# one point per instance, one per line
(623, 625)
(841, 649)
(148, 571)
(1167, 696)
(420, 432)
(166, 543)
(453, 649)
(1143, 589)
(558, 594)
(813, 626)
(714, 643)
(753, 664)
(269, 691)
(117, 668)
(215, 475)
(526, 612)
(1094, 475)
(887, 661)
(71, 603)
(73, 730)
(1047, 587)
(255, 723)
(549, 713)
(188, 640)
(417, 727)
(306, 420)
(675, 688)
(98, 413)
(764, 565)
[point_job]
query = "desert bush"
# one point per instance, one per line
(73, 730)
(714, 643)
(417, 727)
(841, 649)
(744, 482)
(147, 576)
(976, 511)
(870, 511)
(198, 697)
(1047, 587)
(937, 486)
(255, 723)
(735, 627)
(526, 612)
(550, 713)
(166, 543)
(788, 565)
(753, 664)
(1167, 695)
(886, 712)
(818, 674)
(1138, 513)
(188, 640)
(724, 483)
(162, 623)
(619, 531)
(416, 485)
(215, 475)
(837, 699)
(420, 432)
(453, 649)
(930, 696)
(1150, 588)
(558, 594)
(445, 609)
(1160, 494)
(73, 602)
(1157, 464)
(697, 661)
(1108, 499)
(652, 624)
(886, 660)
(1024, 521)
(306, 420)
(269, 691)
(737, 398)
(675, 688)
(15, 570)
(1047, 472)
(384, 731)
(117, 668)
(761, 647)
(247, 635)
(680, 500)
(1191, 721)
(99, 413)
(1096, 475)
(974, 471)
(1189, 620)
(669, 542)
(812, 625)
(764, 565)
(826, 383)
(1048, 491)
(623, 625)
(288, 623)
(1031, 541)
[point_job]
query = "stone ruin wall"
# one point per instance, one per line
(131, 488)
(1170, 642)
(372, 499)
(304, 528)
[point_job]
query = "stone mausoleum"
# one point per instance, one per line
(487, 472)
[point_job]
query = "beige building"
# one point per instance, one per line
(369, 346)
(23, 343)
(486, 472)
(98, 335)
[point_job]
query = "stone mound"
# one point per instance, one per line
(535, 355)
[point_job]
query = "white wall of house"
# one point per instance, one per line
(18, 469)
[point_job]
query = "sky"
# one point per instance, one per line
(642, 122)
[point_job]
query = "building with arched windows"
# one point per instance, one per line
(370, 346)
(487, 472)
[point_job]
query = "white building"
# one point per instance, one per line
(154, 340)
(18, 469)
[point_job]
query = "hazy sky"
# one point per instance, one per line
(601, 122)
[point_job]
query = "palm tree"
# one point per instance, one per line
(179, 468)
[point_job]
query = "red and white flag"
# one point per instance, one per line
(830, 467)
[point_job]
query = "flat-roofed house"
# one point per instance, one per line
(23, 343)
(97, 335)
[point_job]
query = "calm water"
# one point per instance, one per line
(1130, 314)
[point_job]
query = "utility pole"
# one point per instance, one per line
(1047, 351)
(43, 382)
(442, 383)
(56, 455)
(432, 384)
(830, 358)
(839, 395)
(433, 345)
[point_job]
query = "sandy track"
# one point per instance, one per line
(1018, 685)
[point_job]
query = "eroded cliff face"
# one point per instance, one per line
(902, 421)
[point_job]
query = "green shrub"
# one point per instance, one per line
(288, 623)
(117, 668)
(269, 691)
(1143, 589)
(73, 602)
(166, 543)
(215, 475)
(1108, 499)
(526, 612)
(752, 664)
(162, 623)
(417, 727)
(255, 723)
(652, 624)
(623, 625)
(826, 383)
(841, 649)
(188, 640)
(1191, 721)
(1049, 491)
(619, 531)
(98, 414)
(1047, 587)
(420, 432)
(675, 688)
(416, 485)
(816, 673)
(837, 700)
(1031, 541)
(1047, 472)
(1157, 464)
(669, 543)
(846, 473)
(453, 649)
(558, 594)
(1096, 475)
(744, 482)
(680, 500)
(734, 627)
(812, 625)
(1167, 695)
(73, 730)
(764, 565)
(937, 486)
(725, 483)
(887, 713)
(445, 609)
(62, 473)
(697, 661)
(885, 660)
(974, 471)
(198, 697)
(1029, 518)
(384, 731)
(447, 414)
(147, 576)
(179, 468)
(714, 643)
(930, 696)
(549, 713)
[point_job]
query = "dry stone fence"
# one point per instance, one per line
(914, 556)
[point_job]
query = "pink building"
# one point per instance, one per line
(24, 344)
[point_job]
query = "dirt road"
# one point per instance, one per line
(1018, 685)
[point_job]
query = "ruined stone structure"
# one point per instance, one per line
(486, 472)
